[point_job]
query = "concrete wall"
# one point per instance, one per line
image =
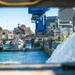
(47, 50)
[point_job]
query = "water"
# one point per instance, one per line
(32, 57)
(28, 46)
(23, 57)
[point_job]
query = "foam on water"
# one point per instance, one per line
(64, 52)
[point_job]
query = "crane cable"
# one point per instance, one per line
(19, 3)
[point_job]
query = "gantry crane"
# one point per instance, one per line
(39, 18)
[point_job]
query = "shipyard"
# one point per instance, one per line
(37, 39)
(50, 32)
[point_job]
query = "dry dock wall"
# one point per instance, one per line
(46, 49)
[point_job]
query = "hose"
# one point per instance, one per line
(19, 3)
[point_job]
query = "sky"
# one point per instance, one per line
(10, 17)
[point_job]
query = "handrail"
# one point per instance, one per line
(19, 3)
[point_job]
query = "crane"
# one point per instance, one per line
(39, 18)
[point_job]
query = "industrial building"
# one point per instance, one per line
(52, 22)
(66, 17)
